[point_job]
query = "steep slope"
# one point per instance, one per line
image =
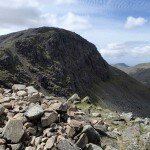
(61, 62)
(140, 72)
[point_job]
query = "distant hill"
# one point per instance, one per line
(140, 72)
(61, 63)
(121, 65)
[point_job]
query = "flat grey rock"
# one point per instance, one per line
(13, 131)
(34, 111)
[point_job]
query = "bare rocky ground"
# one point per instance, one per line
(30, 120)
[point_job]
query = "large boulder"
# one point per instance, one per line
(13, 131)
(92, 134)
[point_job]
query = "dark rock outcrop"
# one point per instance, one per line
(61, 61)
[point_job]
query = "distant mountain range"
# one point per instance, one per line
(140, 72)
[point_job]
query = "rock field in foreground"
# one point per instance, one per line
(30, 120)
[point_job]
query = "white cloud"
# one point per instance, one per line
(132, 22)
(113, 50)
(74, 22)
(69, 21)
(65, 1)
(141, 51)
(26, 14)
(128, 49)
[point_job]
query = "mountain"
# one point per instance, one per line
(60, 62)
(121, 65)
(140, 72)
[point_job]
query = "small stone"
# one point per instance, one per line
(33, 140)
(76, 102)
(110, 148)
(2, 147)
(16, 146)
(18, 87)
(75, 123)
(2, 141)
(50, 142)
(79, 113)
(86, 99)
(100, 128)
(38, 140)
(131, 133)
(74, 97)
(31, 130)
(96, 114)
(56, 106)
(6, 99)
(63, 107)
(91, 146)
(31, 90)
(139, 120)
(39, 147)
(145, 139)
(82, 141)
(70, 131)
(34, 111)
(28, 124)
(127, 116)
(13, 130)
(44, 139)
(92, 134)
(20, 116)
(34, 98)
(1, 90)
(7, 105)
(49, 118)
(65, 144)
(2, 109)
(22, 93)
(30, 148)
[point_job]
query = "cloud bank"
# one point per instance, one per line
(137, 49)
(26, 14)
(132, 22)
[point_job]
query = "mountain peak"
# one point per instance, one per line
(121, 65)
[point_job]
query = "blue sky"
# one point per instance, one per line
(119, 28)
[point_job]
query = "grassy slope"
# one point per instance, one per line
(122, 93)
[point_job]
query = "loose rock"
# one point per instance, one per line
(13, 131)
(35, 111)
(49, 118)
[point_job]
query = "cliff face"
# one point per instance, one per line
(61, 62)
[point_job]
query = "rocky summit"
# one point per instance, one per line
(61, 123)
(60, 63)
